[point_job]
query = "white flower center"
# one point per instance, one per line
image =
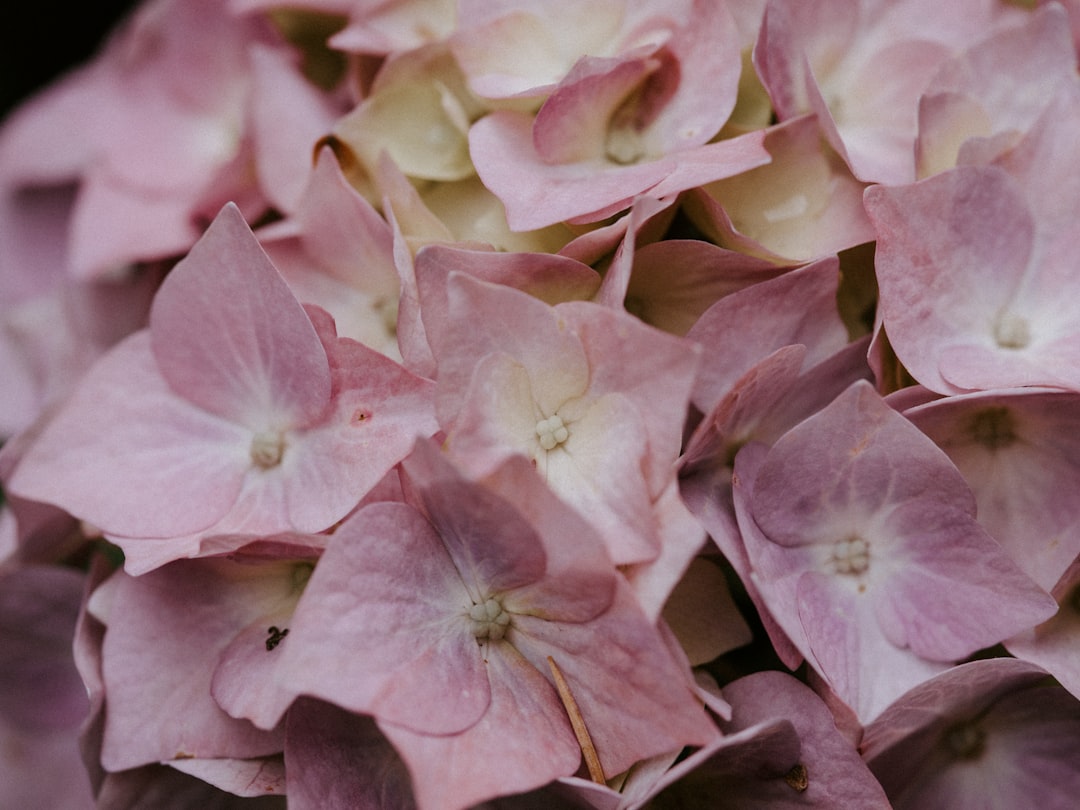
(624, 145)
(552, 432)
(850, 555)
(267, 448)
(488, 620)
(1012, 332)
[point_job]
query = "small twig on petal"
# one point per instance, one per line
(577, 722)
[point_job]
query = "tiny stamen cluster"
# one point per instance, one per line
(1012, 332)
(488, 620)
(267, 449)
(850, 556)
(552, 432)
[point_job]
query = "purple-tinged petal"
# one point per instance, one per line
(524, 731)
(166, 632)
(385, 609)
(636, 700)
(990, 733)
(863, 536)
(336, 760)
(836, 775)
(1054, 644)
(1018, 451)
(798, 307)
(1012, 327)
(780, 750)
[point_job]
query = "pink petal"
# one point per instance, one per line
(524, 729)
(336, 760)
(230, 337)
(395, 641)
(182, 467)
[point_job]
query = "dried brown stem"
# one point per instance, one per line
(577, 722)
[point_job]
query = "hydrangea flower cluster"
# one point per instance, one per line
(620, 405)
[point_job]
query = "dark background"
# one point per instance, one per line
(41, 39)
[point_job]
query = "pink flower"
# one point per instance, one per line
(233, 414)
(1005, 231)
(188, 107)
(863, 544)
(636, 123)
(438, 617)
(590, 395)
(986, 734)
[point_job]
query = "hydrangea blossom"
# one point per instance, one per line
(736, 337)
(453, 657)
(232, 421)
(863, 543)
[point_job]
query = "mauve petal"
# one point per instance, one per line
(336, 760)
(181, 467)
(1026, 733)
(386, 615)
(522, 741)
(837, 776)
(493, 547)
(165, 633)
(933, 248)
(289, 117)
(1053, 644)
(40, 690)
(956, 591)
(1020, 452)
(537, 194)
(636, 700)
(550, 277)
(230, 337)
(577, 582)
(845, 644)
(855, 459)
(745, 535)
(798, 307)
(512, 322)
